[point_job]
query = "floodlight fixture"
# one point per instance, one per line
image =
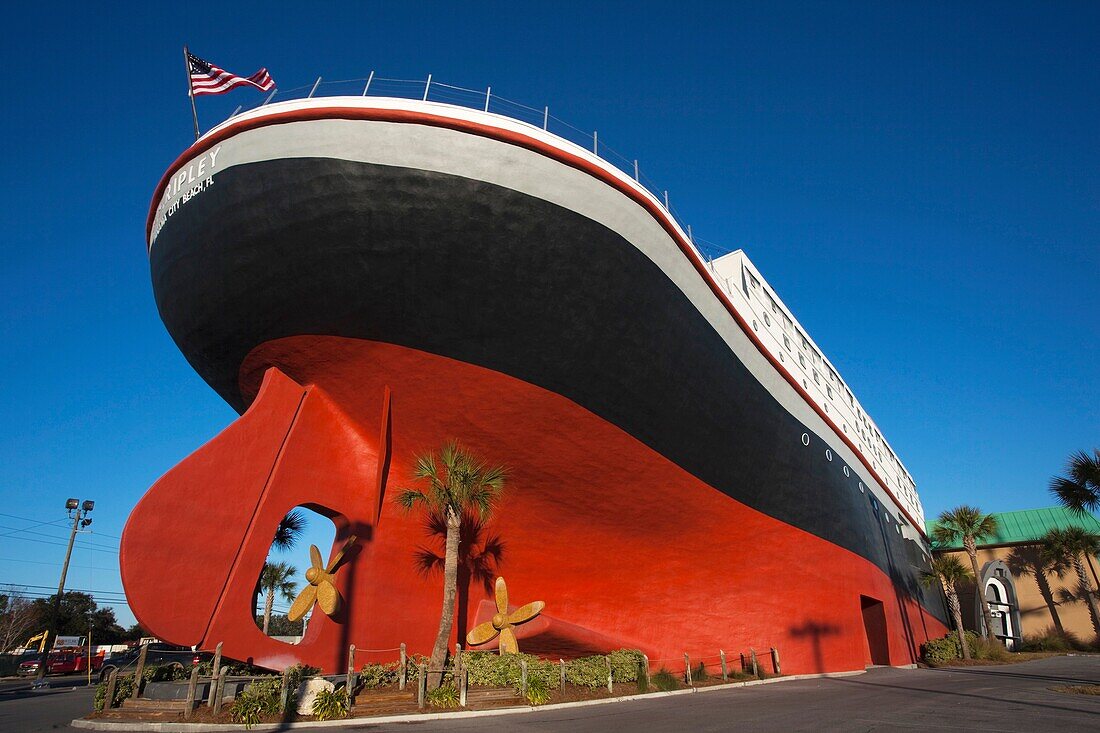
(72, 504)
(88, 505)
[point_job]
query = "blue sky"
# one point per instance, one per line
(920, 184)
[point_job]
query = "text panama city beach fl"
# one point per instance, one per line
(184, 185)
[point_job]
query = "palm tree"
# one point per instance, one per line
(969, 524)
(277, 577)
(1080, 490)
(1071, 546)
(455, 484)
(289, 530)
(1030, 560)
(948, 571)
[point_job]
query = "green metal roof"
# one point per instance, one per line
(1028, 525)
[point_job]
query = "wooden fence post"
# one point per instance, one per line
(284, 692)
(607, 660)
(755, 668)
(214, 673)
(349, 680)
(463, 685)
(421, 685)
(112, 682)
(403, 672)
(140, 669)
(687, 669)
(458, 659)
(645, 670)
(523, 677)
(561, 666)
(220, 690)
(725, 672)
(743, 665)
(189, 706)
(775, 660)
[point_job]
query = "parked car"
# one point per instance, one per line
(62, 661)
(159, 654)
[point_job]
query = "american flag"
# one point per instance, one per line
(209, 79)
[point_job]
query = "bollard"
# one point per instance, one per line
(561, 666)
(687, 669)
(775, 660)
(214, 673)
(463, 685)
(189, 706)
(140, 669)
(112, 682)
(349, 680)
(645, 669)
(523, 677)
(220, 690)
(725, 672)
(421, 685)
(404, 669)
(284, 692)
(752, 656)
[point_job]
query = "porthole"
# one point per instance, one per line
(846, 473)
(804, 385)
(826, 408)
(898, 528)
(861, 488)
(781, 357)
(805, 438)
(828, 454)
(754, 326)
(767, 321)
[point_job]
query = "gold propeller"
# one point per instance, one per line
(502, 622)
(320, 588)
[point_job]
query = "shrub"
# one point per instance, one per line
(173, 672)
(297, 673)
(625, 664)
(378, 675)
(936, 652)
(989, 650)
(260, 698)
(665, 681)
(445, 696)
(505, 670)
(538, 691)
(587, 672)
(124, 687)
(1052, 640)
(331, 704)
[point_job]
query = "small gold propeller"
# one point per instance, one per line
(503, 621)
(321, 588)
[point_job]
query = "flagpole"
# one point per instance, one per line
(191, 91)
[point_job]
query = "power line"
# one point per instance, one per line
(36, 524)
(93, 548)
(51, 536)
(56, 564)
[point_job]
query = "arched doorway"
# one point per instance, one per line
(1000, 595)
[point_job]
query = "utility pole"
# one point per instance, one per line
(79, 513)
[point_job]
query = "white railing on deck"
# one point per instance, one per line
(431, 90)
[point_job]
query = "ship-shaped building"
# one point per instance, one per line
(365, 278)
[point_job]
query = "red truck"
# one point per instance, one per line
(63, 661)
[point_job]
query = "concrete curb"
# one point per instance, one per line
(107, 725)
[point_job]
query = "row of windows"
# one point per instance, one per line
(864, 430)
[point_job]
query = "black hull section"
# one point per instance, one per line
(490, 276)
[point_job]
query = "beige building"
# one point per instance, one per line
(1027, 597)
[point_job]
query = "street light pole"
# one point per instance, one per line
(78, 512)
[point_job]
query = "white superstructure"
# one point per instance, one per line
(787, 341)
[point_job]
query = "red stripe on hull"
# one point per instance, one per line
(616, 539)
